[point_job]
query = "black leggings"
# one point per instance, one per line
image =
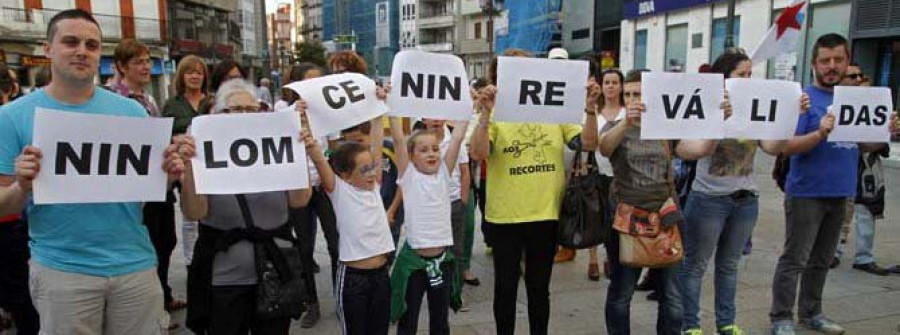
(438, 303)
(232, 313)
(538, 242)
(304, 222)
(15, 297)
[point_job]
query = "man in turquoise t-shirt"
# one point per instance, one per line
(93, 267)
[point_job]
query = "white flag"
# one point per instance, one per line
(783, 35)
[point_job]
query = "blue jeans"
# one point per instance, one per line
(621, 289)
(721, 224)
(865, 235)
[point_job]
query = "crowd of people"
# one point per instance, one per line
(103, 268)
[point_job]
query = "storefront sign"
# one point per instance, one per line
(35, 61)
(639, 8)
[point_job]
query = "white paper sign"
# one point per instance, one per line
(91, 158)
(429, 85)
(862, 114)
(338, 102)
(762, 109)
(538, 90)
(682, 106)
(248, 153)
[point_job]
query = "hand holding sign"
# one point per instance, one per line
(862, 114)
(340, 101)
(28, 165)
(826, 124)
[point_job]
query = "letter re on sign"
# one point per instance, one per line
(534, 90)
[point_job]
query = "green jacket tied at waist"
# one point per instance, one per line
(406, 264)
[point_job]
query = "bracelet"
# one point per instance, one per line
(589, 112)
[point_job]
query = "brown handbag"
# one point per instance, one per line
(643, 239)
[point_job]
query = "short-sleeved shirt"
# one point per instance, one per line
(455, 177)
(427, 205)
(237, 265)
(98, 239)
(526, 171)
(728, 170)
(642, 169)
(829, 169)
(361, 222)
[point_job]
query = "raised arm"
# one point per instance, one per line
(194, 206)
(459, 135)
(399, 145)
(480, 143)
(589, 132)
(611, 138)
(314, 151)
(377, 137)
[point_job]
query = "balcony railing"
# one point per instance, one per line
(436, 47)
(34, 22)
(438, 21)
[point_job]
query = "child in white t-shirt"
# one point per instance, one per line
(352, 181)
(423, 264)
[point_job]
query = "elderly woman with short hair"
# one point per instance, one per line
(222, 289)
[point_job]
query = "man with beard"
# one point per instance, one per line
(823, 175)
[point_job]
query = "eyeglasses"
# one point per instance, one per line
(369, 169)
(240, 109)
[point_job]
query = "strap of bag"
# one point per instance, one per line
(670, 170)
(245, 211)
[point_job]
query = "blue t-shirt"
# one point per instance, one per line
(829, 169)
(101, 239)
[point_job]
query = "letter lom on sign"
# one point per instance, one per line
(762, 109)
(91, 158)
(429, 85)
(338, 101)
(863, 114)
(682, 106)
(537, 90)
(248, 153)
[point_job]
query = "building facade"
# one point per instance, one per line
(875, 33)
(23, 25)
(311, 25)
(436, 23)
(409, 32)
(680, 36)
(475, 31)
(370, 27)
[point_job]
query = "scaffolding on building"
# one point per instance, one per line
(533, 26)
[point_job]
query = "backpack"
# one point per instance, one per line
(870, 187)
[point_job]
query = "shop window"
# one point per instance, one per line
(640, 49)
(719, 31)
(676, 48)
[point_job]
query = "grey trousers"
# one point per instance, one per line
(813, 228)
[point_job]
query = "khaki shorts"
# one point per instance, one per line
(75, 304)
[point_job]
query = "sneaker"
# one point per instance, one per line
(823, 325)
(692, 331)
(783, 328)
(311, 317)
(872, 268)
(730, 330)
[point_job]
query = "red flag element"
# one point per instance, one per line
(788, 18)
